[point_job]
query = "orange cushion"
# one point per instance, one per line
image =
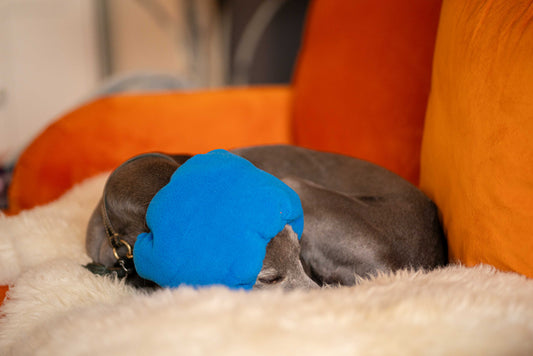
(477, 156)
(100, 135)
(363, 79)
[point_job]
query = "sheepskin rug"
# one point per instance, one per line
(56, 307)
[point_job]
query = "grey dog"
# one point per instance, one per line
(359, 218)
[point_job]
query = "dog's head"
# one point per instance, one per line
(127, 194)
(123, 206)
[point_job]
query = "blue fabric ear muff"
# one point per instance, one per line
(211, 223)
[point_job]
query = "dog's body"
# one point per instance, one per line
(359, 217)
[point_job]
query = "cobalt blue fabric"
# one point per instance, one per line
(211, 223)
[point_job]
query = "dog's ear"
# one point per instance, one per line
(137, 180)
(142, 177)
(127, 193)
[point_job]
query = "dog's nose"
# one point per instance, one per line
(311, 284)
(302, 282)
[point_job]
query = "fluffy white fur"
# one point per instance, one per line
(57, 307)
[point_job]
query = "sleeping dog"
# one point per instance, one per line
(359, 218)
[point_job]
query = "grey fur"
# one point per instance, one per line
(359, 218)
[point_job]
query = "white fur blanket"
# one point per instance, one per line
(56, 307)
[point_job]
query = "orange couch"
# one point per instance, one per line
(361, 88)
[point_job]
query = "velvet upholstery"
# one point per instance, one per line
(477, 157)
(363, 79)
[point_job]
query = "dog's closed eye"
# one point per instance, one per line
(270, 276)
